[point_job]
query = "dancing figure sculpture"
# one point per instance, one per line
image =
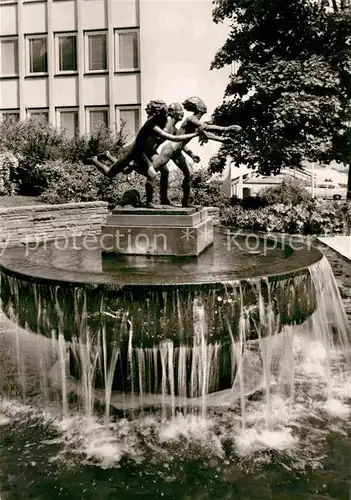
(175, 114)
(137, 156)
(174, 150)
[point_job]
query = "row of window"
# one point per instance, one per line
(126, 53)
(68, 118)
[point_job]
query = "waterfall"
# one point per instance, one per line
(178, 350)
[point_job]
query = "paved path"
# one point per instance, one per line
(341, 244)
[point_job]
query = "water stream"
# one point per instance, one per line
(288, 398)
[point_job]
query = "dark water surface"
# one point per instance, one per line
(194, 457)
(28, 473)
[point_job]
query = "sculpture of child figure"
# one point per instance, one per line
(175, 114)
(141, 155)
(137, 156)
(174, 150)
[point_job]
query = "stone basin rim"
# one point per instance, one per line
(13, 266)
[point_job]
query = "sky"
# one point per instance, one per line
(178, 41)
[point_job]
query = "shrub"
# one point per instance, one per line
(32, 142)
(35, 143)
(69, 182)
(288, 192)
(303, 218)
(74, 182)
(33, 138)
(8, 164)
(206, 192)
(248, 202)
(85, 146)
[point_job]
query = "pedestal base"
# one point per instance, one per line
(173, 231)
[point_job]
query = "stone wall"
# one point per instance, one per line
(46, 222)
(214, 212)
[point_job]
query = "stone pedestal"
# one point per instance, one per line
(163, 231)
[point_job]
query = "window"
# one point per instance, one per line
(9, 115)
(128, 120)
(97, 118)
(127, 50)
(9, 57)
(66, 52)
(96, 50)
(37, 54)
(40, 114)
(68, 121)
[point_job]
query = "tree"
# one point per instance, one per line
(292, 91)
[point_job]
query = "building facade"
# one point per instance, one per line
(82, 62)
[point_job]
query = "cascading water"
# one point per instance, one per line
(234, 370)
(177, 375)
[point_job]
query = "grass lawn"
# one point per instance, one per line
(19, 201)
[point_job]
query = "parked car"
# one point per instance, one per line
(330, 191)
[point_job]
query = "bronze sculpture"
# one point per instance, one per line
(174, 150)
(141, 155)
(142, 149)
(175, 114)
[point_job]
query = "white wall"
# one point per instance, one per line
(178, 43)
(78, 90)
(34, 17)
(8, 19)
(64, 16)
(9, 94)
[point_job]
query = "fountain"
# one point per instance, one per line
(175, 332)
(162, 341)
(144, 364)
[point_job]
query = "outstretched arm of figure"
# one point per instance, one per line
(217, 128)
(214, 137)
(174, 138)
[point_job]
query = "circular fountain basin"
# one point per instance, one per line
(157, 309)
(232, 257)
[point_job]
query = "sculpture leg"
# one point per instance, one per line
(110, 158)
(149, 189)
(184, 166)
(164, 186)
(104, 169)
(102, 157)
(186, 191)
(150, 183)
(106, 155)
(120, 165)
(160, 161)
(122, 162)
